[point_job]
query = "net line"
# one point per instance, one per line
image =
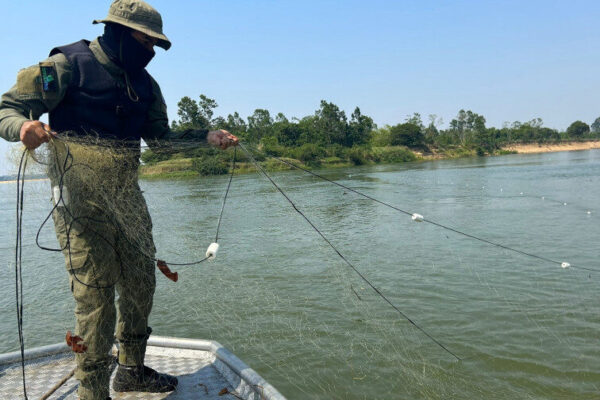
(362, 276)
(440, 225)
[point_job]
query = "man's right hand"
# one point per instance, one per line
(34, 133)
(222, 139)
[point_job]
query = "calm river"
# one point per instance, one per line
(284, 302)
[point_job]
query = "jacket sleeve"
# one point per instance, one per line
(39, 89)
(156, 132)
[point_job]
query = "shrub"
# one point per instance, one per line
(209, 166)
(578, 129)
(357, 155)
(308, 152)
(407, 134)
(394, 155)
(259, 156)
(271, 146)
(381, 137)
(335, 150)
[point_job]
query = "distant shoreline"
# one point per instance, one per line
(26, 180)
(531, 148)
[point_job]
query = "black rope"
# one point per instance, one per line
(18, 265)
(226, 193)
(257, 165)
(499, 245)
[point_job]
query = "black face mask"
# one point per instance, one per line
(123, 49)
(134, 56)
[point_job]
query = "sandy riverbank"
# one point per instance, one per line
(549, 148)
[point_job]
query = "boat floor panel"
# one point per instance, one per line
(197, 371)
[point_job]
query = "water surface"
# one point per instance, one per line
(284, 302)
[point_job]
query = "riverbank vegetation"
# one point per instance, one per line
(330, 138)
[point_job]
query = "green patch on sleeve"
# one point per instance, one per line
(49, 77)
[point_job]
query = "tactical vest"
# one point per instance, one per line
(96, 103)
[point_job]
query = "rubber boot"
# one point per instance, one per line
(142, 379)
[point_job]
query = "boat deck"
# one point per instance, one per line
(205, 369)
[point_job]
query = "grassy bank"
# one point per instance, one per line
(217, 163)
(183, 168)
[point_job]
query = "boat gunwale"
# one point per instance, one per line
(247, 374)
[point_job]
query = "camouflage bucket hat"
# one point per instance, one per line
(138, 15)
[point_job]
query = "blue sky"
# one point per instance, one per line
(508, 60)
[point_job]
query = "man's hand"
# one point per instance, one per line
(222, 139)
(34, 133)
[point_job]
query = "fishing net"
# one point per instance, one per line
(375, 306)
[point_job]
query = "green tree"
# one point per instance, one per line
(287, 133)
(407, 134)
(547, 134)
(415, 119)
(219, 123)
(308, 131)
(235, 124)
(281, 118)
(485, 141)
(466, 124)
(189, 115)
(207, 106)
(536, 123)
(380, 137)
(431, 131)
(578, 129)
(330, 123)
(359, 128)
(196, 115)
(260, 124)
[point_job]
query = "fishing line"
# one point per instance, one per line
(257, 165)
(421, 218)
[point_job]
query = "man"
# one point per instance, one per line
(102, 88)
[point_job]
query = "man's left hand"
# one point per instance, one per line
(222, 139)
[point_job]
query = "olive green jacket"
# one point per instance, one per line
(28, 101)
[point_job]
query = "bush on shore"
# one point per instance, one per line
(209, 166)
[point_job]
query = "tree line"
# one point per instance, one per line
(328, 126)
(328, 132)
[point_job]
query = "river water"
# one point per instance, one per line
(281, 299)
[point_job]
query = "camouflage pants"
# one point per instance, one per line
(100, 258)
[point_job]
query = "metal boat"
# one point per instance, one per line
(205, 369)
